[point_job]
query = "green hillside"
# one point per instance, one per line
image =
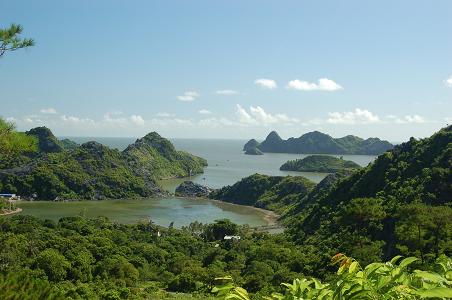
(319, 163)
(64, 170)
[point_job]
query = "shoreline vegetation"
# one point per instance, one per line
(270, 217)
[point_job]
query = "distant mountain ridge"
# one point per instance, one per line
(320, 143)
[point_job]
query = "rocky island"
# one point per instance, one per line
(320, 163)
(319, 143)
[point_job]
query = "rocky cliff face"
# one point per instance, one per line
(47, 142)
(251, 144)
(191, 189)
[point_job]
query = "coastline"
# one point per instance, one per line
(270, 217)
(18, 210)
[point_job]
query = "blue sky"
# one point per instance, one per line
(230, 69)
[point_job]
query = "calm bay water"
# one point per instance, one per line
(227, 165)
(161, 211)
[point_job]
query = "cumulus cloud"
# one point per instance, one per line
(137, 120)
(409, 119)
(266, 83)
(204, 111)
(188, 96)
(243, 116)
(226, 92)
(324, 84)
(48, 111)
(357, 116)
(448, 81)
(258, 116)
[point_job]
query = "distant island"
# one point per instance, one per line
(320, 143)
(60, 170)
(320, 163)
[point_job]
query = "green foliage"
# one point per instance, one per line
(320, 163)
(53, 264)
(156, 157)
(10, 40)
(13, 142)
(98, 259)
(390, 280)
(270, 192)
(15, 286)
(64, 170)
(400, 204)
(219, 229)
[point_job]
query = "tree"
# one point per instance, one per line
(13, 142)
(53, 263)
(219, 229)
(10, 40)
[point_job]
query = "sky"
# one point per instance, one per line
(230, 69)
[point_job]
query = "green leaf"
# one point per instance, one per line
(407, 261)
(439, 292)
(353, 267)
(433, 277)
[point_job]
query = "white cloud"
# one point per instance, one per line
(137, 120)
(410, 119)
(258, 116)
(358, 116)
(226, 92)
(324, 84)
(188, 96)
(217, 122)
(165, 115)
(243, 116)
(266, 83)
(71, 120)
(48, 111)
(448, 81)
(204, 111)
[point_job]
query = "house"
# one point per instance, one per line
(231, 237)
(9, 196)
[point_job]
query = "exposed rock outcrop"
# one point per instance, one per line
(191, 189)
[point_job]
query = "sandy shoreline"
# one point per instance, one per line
(18, 210)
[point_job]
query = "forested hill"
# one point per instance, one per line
(319, 143)
(400, 204)
(263, 191)
(156, 157)
(65, 170)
